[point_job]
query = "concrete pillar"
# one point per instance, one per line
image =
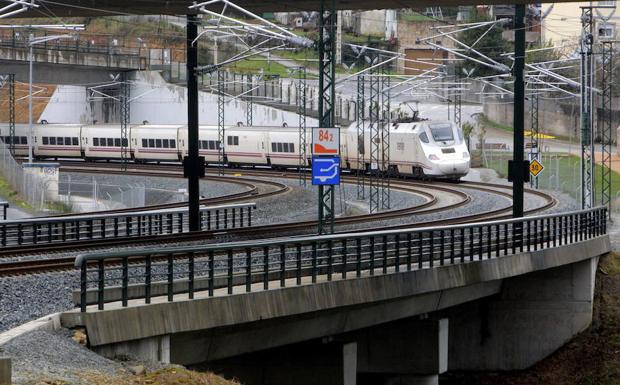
(534, 315)
(413, 380)
(5, 371)
(155, 349)
(349, 363)
(407, 347)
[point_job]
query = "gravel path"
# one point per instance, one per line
(47, 356)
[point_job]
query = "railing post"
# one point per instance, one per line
(100, 284)
(248, 270)
(83, 285)
(282, 265)
(230, 271)
(147, 280)
(190, 278)
(358, 257)
(211, 277)
(125, 283)
(170, 278)
(344, 259)
(266, 268)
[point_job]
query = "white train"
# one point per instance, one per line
(434, 149)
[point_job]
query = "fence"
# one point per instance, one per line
(76, 228)
(29, 186)
(293, 260)
(88, 194)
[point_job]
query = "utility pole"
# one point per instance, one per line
(587, 77)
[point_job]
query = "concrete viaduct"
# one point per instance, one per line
(402, 326)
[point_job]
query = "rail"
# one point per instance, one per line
(133, 224)
(148, 273)
(5, 207)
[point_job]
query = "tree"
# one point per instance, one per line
(492, 44)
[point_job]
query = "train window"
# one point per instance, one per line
(75, 141)
(204, 144)
(424, 137)
(145, 143)
(400, 146)
(52, 140)
(230, 140)
(273, 147)
(45, 140)
(236, 138)
(117, 142)
(151, 143)
(173, 143)
(67, 141)
(279, 146)
(24, 140)
(60, 141)
(110, 142)
(233, 140)
(291, 147)
(165, 143)
(442, 132)
(95, 141)
(285, 147)
(125, 142)
(158, 143)
(102, 142)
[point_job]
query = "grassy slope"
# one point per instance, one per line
(569, 166)
(592, 358)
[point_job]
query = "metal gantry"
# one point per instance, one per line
(587, 98)
(8, 80)
(534, 133)
(607, 125)
(300, 101)
(220, 122)
(249, 107)
(457, 99)
(385, 138)
(375, 137)
(361, 137)
(125, 92)
(327, 99)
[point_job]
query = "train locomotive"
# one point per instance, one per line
(424, 149)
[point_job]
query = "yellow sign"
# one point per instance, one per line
(536, 167)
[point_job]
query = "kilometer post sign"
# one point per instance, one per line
(325, 141)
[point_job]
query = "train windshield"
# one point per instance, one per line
(442, 132)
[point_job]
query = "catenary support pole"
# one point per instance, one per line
(192, 165)
(518, 169)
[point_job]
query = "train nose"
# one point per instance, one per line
(454, 167)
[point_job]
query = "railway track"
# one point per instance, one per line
(428, 190)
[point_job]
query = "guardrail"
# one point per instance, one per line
(187, 270)
(5, 207)
(134, 224)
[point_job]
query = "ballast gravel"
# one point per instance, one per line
(28, 297)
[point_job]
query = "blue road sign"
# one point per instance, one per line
(325, 170)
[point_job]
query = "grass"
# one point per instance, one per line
(12, 196)
(414, 17)
(255, 66)
(167, 376)
(592, 357)
(568, 167)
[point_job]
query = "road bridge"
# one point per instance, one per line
(403, 304)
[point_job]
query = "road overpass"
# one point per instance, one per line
(403, 304)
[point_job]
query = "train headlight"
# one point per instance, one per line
(433, 157)
(465, 155)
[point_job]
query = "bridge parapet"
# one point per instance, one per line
(277, 263)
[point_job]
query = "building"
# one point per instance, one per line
(561, 22)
